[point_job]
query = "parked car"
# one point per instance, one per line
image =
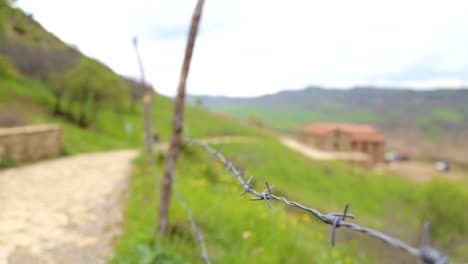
(442, 166)
(395, 156)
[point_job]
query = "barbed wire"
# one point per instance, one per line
(195, 228)
(424, 252)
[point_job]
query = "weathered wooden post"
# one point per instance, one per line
(177, 123)
(147, 104)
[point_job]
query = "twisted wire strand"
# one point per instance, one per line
(195, 228)
(425, 253)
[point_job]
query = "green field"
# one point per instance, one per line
(435, 113)
(236, 230)
(292, 120)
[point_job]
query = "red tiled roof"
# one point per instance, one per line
(374, 137)
(357, 132)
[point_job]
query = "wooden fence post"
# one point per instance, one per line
(177, 123)
(147, 105)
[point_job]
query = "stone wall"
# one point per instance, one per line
(30, 143)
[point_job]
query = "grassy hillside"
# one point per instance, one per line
(30, 102)
(44, 80)
(431, 125)
(236, 230)
(435, 112)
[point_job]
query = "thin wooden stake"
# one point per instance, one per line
(147, 105)
(177, 123)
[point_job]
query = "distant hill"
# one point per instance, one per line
(433, 124)
(435, 112)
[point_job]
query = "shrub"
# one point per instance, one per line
(5, 67)
(254, 120)
(7, 162)
(156, 254)
(210, 173)
(441, 203)
(20, 29)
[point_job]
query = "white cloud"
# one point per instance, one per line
(454, 62)
(250, 47)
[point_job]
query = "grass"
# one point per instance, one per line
(7, 162)
(32, 99)
(239, 231)
(435, 114)
(291, 119)
(447, 114)
(236, 230)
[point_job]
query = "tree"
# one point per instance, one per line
(81, 84)
(254, 120)
(109, 88)
(178, 117)
(136, 91)
(57, 84)
(90, 86)
(199, 102)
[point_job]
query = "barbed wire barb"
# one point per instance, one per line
(425, 253)
(336, 222)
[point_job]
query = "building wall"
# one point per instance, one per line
(342, 142)
(379, 152)
(30, 143)
(374, 149)
(307, 139)
(337, 141)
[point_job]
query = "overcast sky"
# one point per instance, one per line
(252, 47)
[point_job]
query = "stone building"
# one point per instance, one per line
(337, 137)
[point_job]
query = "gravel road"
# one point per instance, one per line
(66, 210)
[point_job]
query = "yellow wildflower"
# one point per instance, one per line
(305, 218)
(348, 260)
(247, 235)
(335, 254)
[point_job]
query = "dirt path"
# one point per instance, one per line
(213, 140)
(420, 171)
(417, 171)
(63, 211)
(318, 154)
